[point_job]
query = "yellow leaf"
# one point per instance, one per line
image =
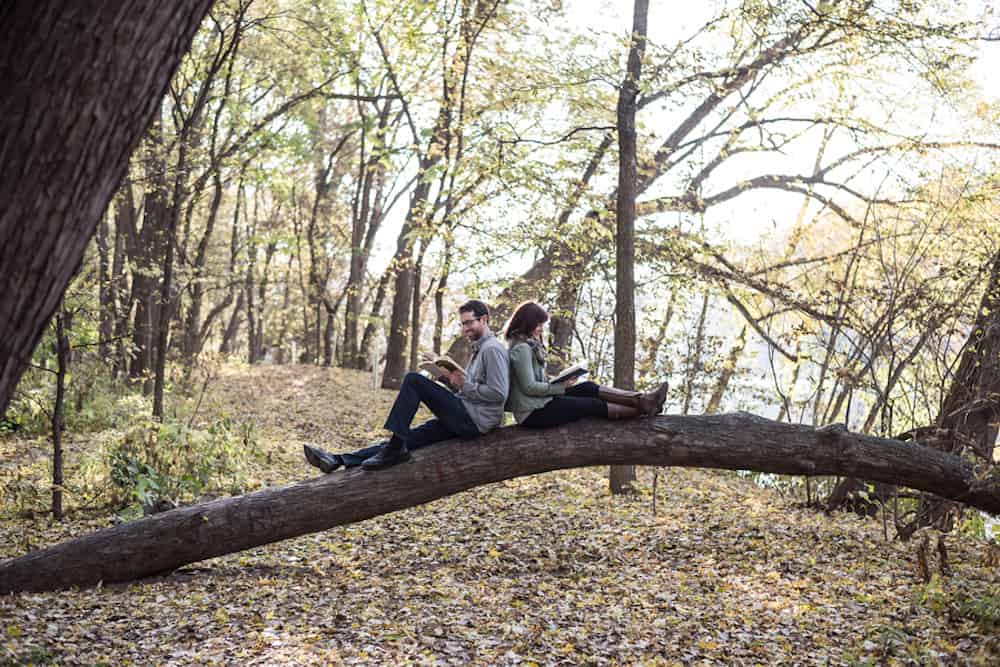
(707, 645)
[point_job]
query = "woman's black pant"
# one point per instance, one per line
(579, 401)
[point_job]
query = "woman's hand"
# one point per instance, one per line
(572, 381)
(457, 379)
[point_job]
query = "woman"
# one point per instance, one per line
(537, 403)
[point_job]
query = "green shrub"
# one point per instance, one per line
(172, 462)
(959, 599)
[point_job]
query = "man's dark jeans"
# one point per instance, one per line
(452, 420)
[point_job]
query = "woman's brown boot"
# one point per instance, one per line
(616, 411)
(619, 396)
(649, 403)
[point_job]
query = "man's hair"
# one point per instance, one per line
(474, 306)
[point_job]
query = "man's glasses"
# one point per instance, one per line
(463, 324)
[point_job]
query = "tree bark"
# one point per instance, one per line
(621, 479)
(442, 286)
(233, 328)
(416, 302)
(119, 284)
(235, 289)
(192, 321)
(146, 250)
(375, 314)
(563, 322)
(58, 418)
(250, 290)
(367, 217)
(105, 328)
(286, 297)
(262, 298)
(328, 343)
(165, 312)
(733, 441)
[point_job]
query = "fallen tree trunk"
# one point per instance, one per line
(737, 441)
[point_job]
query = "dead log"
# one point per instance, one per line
(738, 441)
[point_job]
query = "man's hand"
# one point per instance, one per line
(572, 381)
(457, 379)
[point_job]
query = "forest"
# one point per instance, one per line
(233, 228)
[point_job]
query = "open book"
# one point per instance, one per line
(439, 367)
(574, 371)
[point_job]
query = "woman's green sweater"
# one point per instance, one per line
(529, 390)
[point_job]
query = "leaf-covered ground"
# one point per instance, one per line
(542, 570)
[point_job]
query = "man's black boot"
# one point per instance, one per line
(392, 452)
(317, 457)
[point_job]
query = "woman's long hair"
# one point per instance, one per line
(526, 319)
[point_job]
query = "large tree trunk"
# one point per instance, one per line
(733, 441)
(399, 317)
(125, 215)
(167, 304)
(367, 217)
(233, 328)
(57, 172)
(192, 321)
(146, 251)
(105, 328)
(621, 478)
(375, 314)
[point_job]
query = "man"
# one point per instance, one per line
(473, 407)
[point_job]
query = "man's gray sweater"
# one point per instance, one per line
(487, 381)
